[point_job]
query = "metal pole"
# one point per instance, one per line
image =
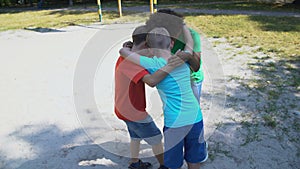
(151, 6)
(155, 6)
(120, 7)
(99, 10)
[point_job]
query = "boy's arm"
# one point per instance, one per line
(188, 39)
(197, 45)
(188, 54)
(131, 56)
(197, 55)
(153, 79)
(150, 79)
(193, 60)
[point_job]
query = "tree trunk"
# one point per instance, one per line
(70, 2)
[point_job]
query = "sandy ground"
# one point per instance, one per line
(57, 104)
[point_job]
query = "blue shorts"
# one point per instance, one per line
(144, 131)
(190, 138)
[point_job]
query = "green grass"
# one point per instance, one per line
(278, 35)
(61, 18)
(212, 4)
(130, 3)
(44, 18)
(206, 4)
(245, 5)
(269, 120)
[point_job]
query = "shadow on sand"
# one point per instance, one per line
(57, 149)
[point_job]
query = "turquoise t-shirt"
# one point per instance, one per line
(179, 44)
(180, 106)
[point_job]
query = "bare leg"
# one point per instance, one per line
(158, 151)
(134, 150)
(193, 165)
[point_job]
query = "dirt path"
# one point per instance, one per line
(54, 116)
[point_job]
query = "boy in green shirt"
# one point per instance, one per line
(180, 44)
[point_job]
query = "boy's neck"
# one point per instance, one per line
(164, 53)
(135, 48)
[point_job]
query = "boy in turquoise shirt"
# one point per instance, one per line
(183, 125)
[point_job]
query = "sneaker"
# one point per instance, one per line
(163, 167)
(140, 165)
(206, 151)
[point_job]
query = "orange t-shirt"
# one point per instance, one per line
(130, 101)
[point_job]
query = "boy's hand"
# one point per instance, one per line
(128, 44)
(185, 56)
(175, 61)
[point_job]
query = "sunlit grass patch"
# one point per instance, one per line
(61, 18)
(246, 5)
(278, 35)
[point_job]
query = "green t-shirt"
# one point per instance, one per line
(179, 44)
